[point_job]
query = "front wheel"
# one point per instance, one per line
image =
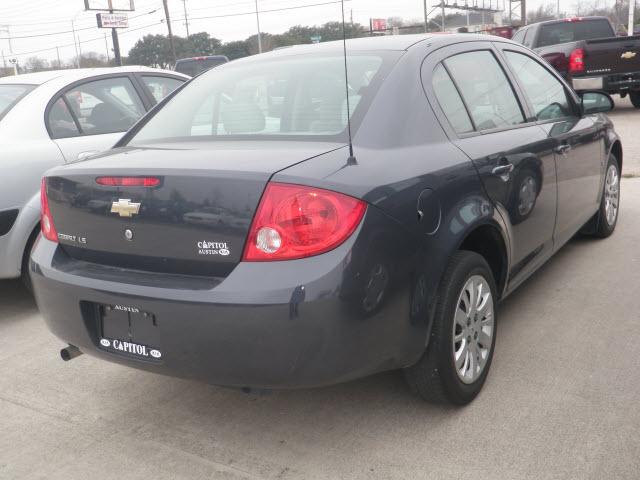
(635, 99)
(606, 219)
(456, 363)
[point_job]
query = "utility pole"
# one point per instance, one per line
(58, 55)
(79, 50)
(442, 3)
(4, 61)
(166, 14)
(558, 13)
(258, 22)
(75, 45)
(186, 17)
(106, 46)
(7, 30)
(523, 12)
(115, 40)
(632, 11)
(426, 20)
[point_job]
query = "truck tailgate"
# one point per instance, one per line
(615, 55)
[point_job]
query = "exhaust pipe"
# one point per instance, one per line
(70, 352)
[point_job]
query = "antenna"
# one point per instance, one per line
(352, 159)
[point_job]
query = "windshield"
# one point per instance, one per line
(10, 95)
(556, 33)
(297, 96)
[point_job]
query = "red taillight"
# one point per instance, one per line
(128, 181)
(46, 220)
(576, 61)
(295, 221)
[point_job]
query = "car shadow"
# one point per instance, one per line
(15, 301)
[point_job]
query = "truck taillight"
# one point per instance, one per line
(576, 61)
(295, 221)
(46, 220)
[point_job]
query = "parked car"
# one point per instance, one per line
(587, 52)
(196, 65)
(473, 162)
(57, 117)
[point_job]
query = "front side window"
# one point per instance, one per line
(104, 106)
(450, 101)
(10, 95)
(545, 92)
(301, 96)
(485, 89)
(160, 87)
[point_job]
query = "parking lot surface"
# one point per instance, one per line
(626, 119)
(560, 401)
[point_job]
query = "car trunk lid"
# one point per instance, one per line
(195, 217)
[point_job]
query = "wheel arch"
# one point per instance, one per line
(616, 149)
(488, 240)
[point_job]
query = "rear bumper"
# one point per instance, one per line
(255, 328)
(612, 83)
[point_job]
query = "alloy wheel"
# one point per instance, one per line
(473, 329)
(611, 194)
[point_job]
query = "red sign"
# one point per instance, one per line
(378, 24)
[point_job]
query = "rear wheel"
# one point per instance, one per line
(457, 360)
(635, 99)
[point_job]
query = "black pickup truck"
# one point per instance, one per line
(587, 52)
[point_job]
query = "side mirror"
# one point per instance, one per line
(596, 102)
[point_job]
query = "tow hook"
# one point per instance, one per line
(70, 352)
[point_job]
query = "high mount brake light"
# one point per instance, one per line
(46, 220)
(128, 181)
(576, 61)
(294, 221)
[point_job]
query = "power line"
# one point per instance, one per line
(22, 54)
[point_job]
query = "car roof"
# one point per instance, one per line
(74, 74)
(382, 43)
(569, 20)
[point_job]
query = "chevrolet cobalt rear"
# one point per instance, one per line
(239, 237)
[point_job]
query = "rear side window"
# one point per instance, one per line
(61, 123)
(573, 31)
(450, 101)
(545, 92)
(160, 87)
(486, 90)
(103, 106)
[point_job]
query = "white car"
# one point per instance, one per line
(56, 117)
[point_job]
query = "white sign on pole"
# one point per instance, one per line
(109, 5)
(112, 20)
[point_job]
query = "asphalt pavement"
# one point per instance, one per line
(626, 119)
(561, 401)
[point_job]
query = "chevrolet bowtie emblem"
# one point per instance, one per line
(628, 55)
(125, 208)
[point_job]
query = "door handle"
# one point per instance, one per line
(503, 170)
(85, 155)
(563, 149)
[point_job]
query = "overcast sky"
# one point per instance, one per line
(35, 17)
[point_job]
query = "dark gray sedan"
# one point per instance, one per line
(231, 236)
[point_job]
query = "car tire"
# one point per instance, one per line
(440, 375)
(635, 99)
(605, 220)
(24, 271)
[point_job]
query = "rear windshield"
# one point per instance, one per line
(10, 95)
(565, 32)
(195, 67)
(297, 96)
